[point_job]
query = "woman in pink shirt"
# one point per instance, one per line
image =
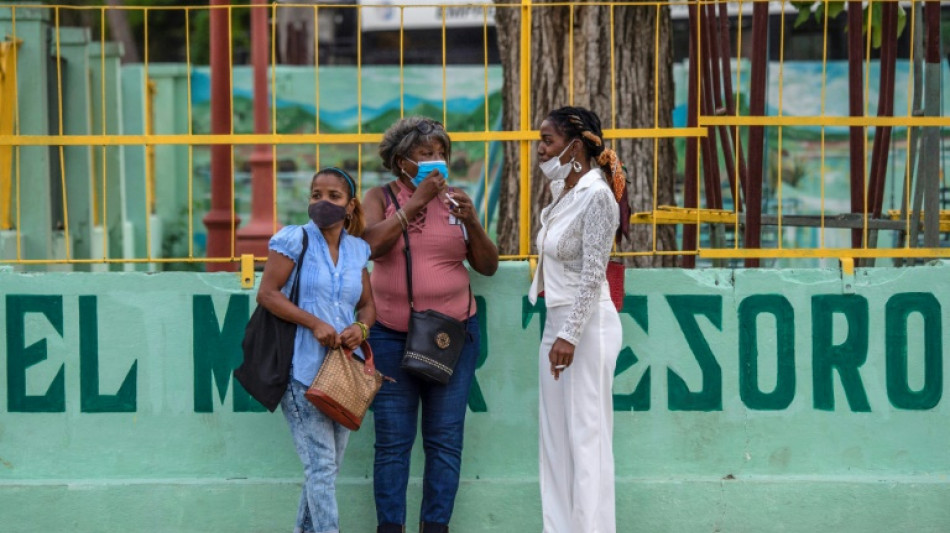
(444, 231)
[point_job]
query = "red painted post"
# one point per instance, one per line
(757, 93)
(218, 220)
(856, 109)
(691, 166)
(253, 238)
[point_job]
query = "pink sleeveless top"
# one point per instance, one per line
(439, 277)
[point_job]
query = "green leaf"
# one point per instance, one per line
(802, 17)
(834, 9)
(901, 21)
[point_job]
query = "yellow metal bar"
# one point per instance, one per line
(104, 191)
(62, 152)
(8, 103)
(524, 227)
(867, 103)
(191, 154)
(847, 265)
(150, 90)
(233, 236)
(613, 73)
(359, 98)
(445, 101)
(402, 75)
(247, 271)
(111, 261)
(487, 125)
(307, 138)
(823, 120)
(570, 55)
(699, 108)
(273, 107)
(737, 137)
(359, 74)
(656, 119)
(316, 97)
(821, 253)
(781, 95)
(16, 107)
(910, 105)
(681, 215)
(824, 99)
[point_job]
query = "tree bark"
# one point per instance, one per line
(507, 24)
(120, 31)
(634, 64)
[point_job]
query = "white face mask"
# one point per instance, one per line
(553, 169)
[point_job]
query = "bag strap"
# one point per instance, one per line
(295, 288)
(405, 236)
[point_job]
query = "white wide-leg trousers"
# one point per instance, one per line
(576, 426)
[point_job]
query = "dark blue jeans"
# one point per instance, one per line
(396, 410)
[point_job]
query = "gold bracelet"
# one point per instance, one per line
(402, 218)
(363, 328)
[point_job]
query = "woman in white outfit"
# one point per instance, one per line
(582, 331)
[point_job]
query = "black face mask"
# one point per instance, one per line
(325, 214)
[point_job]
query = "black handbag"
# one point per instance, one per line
(269, 348)
(435, 340)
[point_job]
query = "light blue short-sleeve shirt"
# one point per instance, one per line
(329, 291)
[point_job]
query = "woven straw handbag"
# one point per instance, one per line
(345, 386)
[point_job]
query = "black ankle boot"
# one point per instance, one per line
(433, 528)
(391, 528)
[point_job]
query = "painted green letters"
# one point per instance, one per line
(20, 357)
(537, 309)
(217, 352)
(846, 357)
(897, 310)
(639, 399)
(91, 401)
(709, 398)
(749, 310)
(476, 399)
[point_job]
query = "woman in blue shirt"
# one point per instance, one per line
(335, 308)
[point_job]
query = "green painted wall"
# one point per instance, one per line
(747, 400)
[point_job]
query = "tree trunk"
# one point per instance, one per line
(120, 31)
(507, 25)
(634, 57)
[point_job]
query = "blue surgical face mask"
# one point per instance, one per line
(426, 167)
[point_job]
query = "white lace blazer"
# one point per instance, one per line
(573, 249)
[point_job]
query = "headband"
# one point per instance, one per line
(344, 175)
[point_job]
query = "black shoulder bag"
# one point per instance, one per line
(269, 348)
(434, 341)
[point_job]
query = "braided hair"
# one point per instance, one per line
(584, 124)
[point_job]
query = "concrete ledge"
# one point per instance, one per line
(496, 506)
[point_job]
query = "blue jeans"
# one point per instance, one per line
(320, 443)
(395, 412)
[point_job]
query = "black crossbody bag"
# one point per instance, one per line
(268, 347)
(434, 341)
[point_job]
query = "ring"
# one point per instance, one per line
(560, 367)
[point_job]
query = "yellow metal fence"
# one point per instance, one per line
(13, 140)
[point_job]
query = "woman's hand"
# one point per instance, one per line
(431, 186)
(463, 208)
(561, 356)
(351, 336)
(324, 333)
